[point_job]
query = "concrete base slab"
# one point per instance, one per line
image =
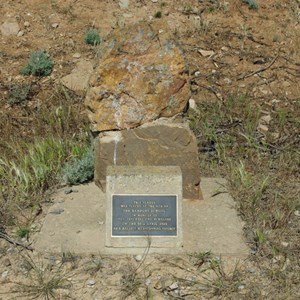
(76, 223)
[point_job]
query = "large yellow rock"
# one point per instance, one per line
(139, 78)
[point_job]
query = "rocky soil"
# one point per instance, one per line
(229, 48)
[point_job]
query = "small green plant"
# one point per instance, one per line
(95, 265)
(224, 282)
(92, 37)
(39, 64)
(200, 258)
(18, 93)
(43, 281)
(187, 9)
(251, 3)
(130, 282)
(23, 231)
(158, 15)
(69, 257)
(79, 169)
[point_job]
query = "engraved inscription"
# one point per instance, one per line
(144, 215)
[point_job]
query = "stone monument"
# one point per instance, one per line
(137, 94)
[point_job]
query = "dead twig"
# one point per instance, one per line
(16, 243)
(241, 77)
(211, 89)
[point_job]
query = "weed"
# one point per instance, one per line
(79, 169)
(187, 9)
(251, 3)
(24, 179)
(43, 281)
(131, 280)
(92, 37)
(222, 282)
(69, 257)
(200, 258)
(18, 93)
(95, 265)
(158, 15)
(23, 231)
(29, 164)
(39, 64)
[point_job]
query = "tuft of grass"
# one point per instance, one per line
(39, 64)
(69, 257)
(158, 15)
(94, 266)
(251, 3)
(92, 37)
(24, 179)
(43, 281)
(23, 231)
(79, 169)
(18, 93)
(200, 258)
(32, 155)
(130, 282)
(223, 283)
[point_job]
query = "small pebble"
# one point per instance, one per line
(138, 257)
(56, 211)
(241, 286)
(192, 104)
(297, 213)
(54, 25)
(173, 286)
(33, 226)
(285, 244)
(6, 262)
(90, 283)
(4, 274)
(76, 55)
(68, 191)
(20, 33)
(26, 24)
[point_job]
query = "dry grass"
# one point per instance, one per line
(43, 281)
(263, 171)
(37, 140)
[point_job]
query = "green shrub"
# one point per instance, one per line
(80, 169)
(158, 15)
(251, 3)
(92, 37)
(39, 64)
(18, 93)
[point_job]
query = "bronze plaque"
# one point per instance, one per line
(144, 215)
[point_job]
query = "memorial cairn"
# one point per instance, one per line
(146, 156)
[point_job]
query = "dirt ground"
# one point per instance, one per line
(229, 49)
